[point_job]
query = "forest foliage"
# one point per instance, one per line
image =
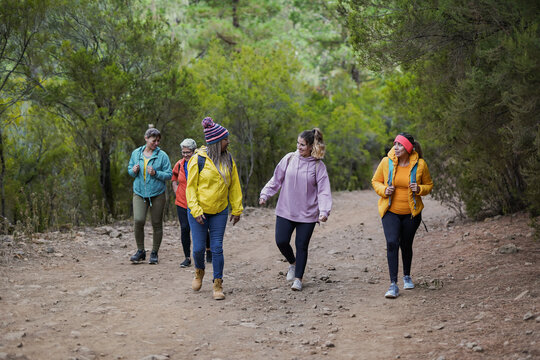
(80, 82)
(468, 84)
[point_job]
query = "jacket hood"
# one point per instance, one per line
(308, 159)
(154, 153)
(413, 157)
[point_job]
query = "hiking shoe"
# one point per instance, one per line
(218, 289)
(208, 256)
(393, 291)
(297, 285)
(139, 256)
(290, 273)
(153, 258)
(185, 263)
(407, 282)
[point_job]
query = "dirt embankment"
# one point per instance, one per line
(76, 296)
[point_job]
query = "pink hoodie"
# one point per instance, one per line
(305, 188)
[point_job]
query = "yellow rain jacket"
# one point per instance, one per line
(207, 192)
(423, 179)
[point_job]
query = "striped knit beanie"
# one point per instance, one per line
(213, 132)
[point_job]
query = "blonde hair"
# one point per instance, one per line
(220, 158)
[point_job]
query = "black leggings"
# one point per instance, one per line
(284, 230)
(185, 230)
(399, 231)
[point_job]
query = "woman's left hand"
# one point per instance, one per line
(414, 187)
(234, 219)
(151, 171)
(323, 218)
(200, 219)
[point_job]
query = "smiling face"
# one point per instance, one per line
(187, 153)
(303, 148)
(152, 142)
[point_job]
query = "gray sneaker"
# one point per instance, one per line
(297, 285)
(290, 273)
(393, 291)
(407, 282)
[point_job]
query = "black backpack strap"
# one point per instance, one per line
(200, 161)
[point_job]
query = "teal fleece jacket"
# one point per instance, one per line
(154, 185)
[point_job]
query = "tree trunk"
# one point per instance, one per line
(235, 21)
(105, 180)
(2, 174)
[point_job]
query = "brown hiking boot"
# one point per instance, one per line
(197, 281)
(218, 289)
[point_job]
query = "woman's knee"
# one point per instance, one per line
(139, 223)
(392, 245)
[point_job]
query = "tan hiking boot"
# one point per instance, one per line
(218, 289)
(197, 281)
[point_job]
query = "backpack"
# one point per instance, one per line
(201, 160)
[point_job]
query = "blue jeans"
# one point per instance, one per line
(215, 224)
(185, 230)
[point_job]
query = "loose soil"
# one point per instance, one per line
(75, 295)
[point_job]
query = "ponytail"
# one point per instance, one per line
(418, 149)
(319, 148)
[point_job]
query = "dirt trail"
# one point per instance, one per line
(76, 296)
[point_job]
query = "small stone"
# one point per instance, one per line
(521, 295)
(508, 249)
(478, 348)
(329, 344)
(407, 336)
(528, 316)
(18, 335)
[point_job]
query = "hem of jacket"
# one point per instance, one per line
(151, 196)
(300, 220)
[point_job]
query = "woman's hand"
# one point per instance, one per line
(262, 201)
(389, 190)
(234, 219)
(200, 219)
(414, 187)
(151, 171)
(323, 218)
(135, 169)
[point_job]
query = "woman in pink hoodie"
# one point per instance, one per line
(305, 200)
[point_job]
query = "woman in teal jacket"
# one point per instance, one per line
(150, 166)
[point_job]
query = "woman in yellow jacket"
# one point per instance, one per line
(212, 183)
(400, 180)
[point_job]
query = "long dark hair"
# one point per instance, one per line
(416, 144)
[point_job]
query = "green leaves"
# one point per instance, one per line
(468, 90)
